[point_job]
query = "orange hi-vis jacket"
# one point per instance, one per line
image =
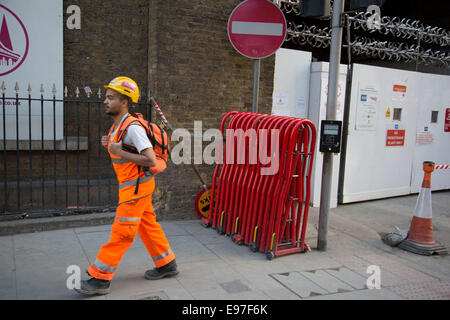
(129, 174)
(134, 215)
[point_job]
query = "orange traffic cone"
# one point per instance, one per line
(420, 236)
(421, 229)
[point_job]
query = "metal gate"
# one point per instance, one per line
(54, 176)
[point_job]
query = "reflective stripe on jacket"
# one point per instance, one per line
(127, 173)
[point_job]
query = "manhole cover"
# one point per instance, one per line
(158, 295)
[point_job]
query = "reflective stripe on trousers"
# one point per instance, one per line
(162, 256)
(103, 266)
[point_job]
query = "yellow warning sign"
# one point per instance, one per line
(388, 113)
(202, 202)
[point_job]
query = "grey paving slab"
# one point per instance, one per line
(308, 261)
(42, 260)
(221, 294)
(189, 249)
(173, 229)
(349, 244)
(193, 227)
(352, 278)
(397, 268)
(202, 234)
(434, 290)
(367, 294)
(206, 275)
(229, 251)
(7, 268)
(300, 285)
(92, 241)
(327, 281)
(260, 267)
(178, 293)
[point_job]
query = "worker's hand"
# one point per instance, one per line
(115, 148)
(105, 141)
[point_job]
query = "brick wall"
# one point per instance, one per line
(181, 52)
(112, 41)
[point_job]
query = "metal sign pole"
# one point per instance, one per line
(333, 80)
(256, 73)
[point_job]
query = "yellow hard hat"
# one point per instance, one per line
(125, 86)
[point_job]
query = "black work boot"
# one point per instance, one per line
(93, 286)
(168, 270)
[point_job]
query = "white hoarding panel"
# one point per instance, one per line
(31, 54)
(291, 83)
(318, 111)
(432, 141)
(381, 133)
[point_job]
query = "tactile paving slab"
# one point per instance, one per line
(306, 284)
(435, 290)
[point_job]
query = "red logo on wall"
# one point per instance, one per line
(14, 41)
(447, 120)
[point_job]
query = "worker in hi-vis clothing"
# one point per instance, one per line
(134, 213)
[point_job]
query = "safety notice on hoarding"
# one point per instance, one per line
(447, 120)
(399, 92)
(424, 138)
(280, 100)
(366, 112)
(395, 138)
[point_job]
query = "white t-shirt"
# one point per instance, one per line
(135, 136)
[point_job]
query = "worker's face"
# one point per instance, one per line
(114, 105)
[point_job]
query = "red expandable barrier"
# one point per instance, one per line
(267, 210)
(239, 137)
(252, 188)
(239, 212)
(222, 182)
(207, 222)
(283, 216)
(265, 194)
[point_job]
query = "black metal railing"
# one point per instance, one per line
(50, 172)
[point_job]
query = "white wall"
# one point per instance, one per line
(432, 143)
(291, 83)
(374, 170)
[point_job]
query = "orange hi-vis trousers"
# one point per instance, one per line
(132, 217)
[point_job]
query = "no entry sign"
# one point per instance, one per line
(256, 28)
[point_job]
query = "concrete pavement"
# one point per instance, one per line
(33, 265)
